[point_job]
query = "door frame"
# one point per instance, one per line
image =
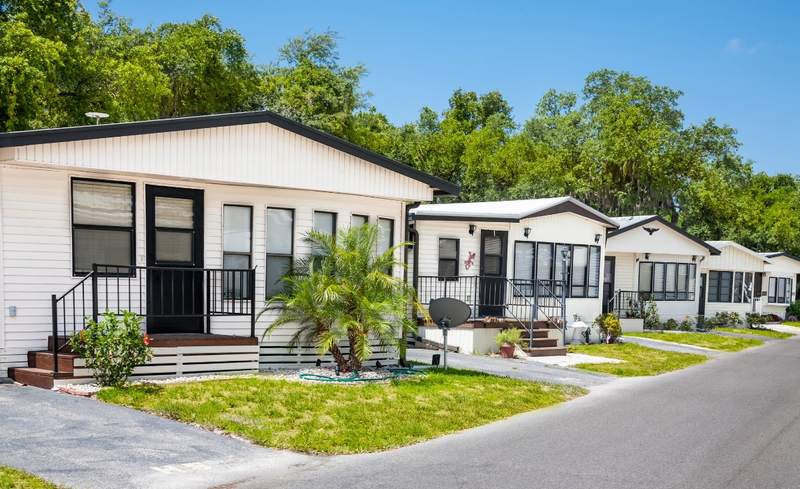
(500, 293)
(195, 321)
(613, 263)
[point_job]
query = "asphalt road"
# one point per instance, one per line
(731, 423)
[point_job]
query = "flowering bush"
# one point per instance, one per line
(113, 347)
(610, 327)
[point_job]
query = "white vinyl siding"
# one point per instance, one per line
(37, 255)
(252, 154)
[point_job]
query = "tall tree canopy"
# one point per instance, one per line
(622, 144)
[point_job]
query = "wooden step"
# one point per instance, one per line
(546, 351)
(37, 377)
(62, 344)
(44, 360)
(540, 342)
(535, 333)
(541, 324)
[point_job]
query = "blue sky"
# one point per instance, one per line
(736, 61)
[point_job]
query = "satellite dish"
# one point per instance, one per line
(96, 116)
(449, 313)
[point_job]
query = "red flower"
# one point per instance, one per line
(146, 340)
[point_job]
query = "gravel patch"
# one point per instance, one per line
(307, 375)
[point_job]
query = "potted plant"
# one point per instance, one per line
(507, 341)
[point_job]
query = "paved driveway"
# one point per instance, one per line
(82, 443)
(518, 369)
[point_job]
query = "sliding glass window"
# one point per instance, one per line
(667, 281)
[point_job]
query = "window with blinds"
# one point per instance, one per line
(237, 248)
(102, 224)
(448, 258)
(668, 281)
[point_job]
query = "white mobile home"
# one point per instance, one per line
(513, 260)
(734, 279)
(198, 217)
(648, 257)
(782, 282)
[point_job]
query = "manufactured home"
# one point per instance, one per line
(733, 280)
(189, 222)
(514, 262)
(782, 282)
(649, 258)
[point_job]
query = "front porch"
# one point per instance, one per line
(178, 306)
(537, 307)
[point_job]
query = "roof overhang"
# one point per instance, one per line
(79, 133)
(661, 220)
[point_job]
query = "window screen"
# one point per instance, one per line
(237, 242)
(102, 224)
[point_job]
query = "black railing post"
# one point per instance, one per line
(208, 301)
(54, 309)
(252, 286)
(94, 292)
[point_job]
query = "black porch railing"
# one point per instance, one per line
(158, 294)
(628, 304)
(522, 300)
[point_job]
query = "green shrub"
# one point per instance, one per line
(113, 347)
(671, 324)
(793, 310)
(686, 325)
(754, 320)
(610, 327)
(734, 319)
(651, 319)
(512, 336)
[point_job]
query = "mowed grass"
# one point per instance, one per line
(638, 360)
(705, 340)
(768, 333)
(11, 478)
(796, 324)
(333, 419)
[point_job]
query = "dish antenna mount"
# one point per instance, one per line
(96, 116)
(448, 313)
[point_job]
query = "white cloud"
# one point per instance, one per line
(739, 46)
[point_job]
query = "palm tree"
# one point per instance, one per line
(344, 293)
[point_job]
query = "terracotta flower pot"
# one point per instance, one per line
(507, 350)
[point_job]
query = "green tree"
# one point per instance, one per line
(343, 294)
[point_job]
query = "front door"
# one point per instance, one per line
(608, 283)
(175, 249)
(494, 246)
(701, 303)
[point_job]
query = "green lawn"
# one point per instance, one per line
(796, 324)
(769, 333)
(17, 479)
(330, 419)
(638, 360)
(705, 340)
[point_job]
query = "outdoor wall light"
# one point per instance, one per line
(471, 229)
(597, 238)
(647, 256)
(694, 257)
(526, 232)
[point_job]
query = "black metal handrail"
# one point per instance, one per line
(522, 300)
(153, 292)
(628, 303)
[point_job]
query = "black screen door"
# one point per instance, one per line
(701, 303)
(493, 273)
(175, 247)
(608, 283)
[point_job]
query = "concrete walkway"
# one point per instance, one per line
(85, 444)
(668, 346)
(517, 369)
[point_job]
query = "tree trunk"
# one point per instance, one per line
(340, 359)
(355, 362)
